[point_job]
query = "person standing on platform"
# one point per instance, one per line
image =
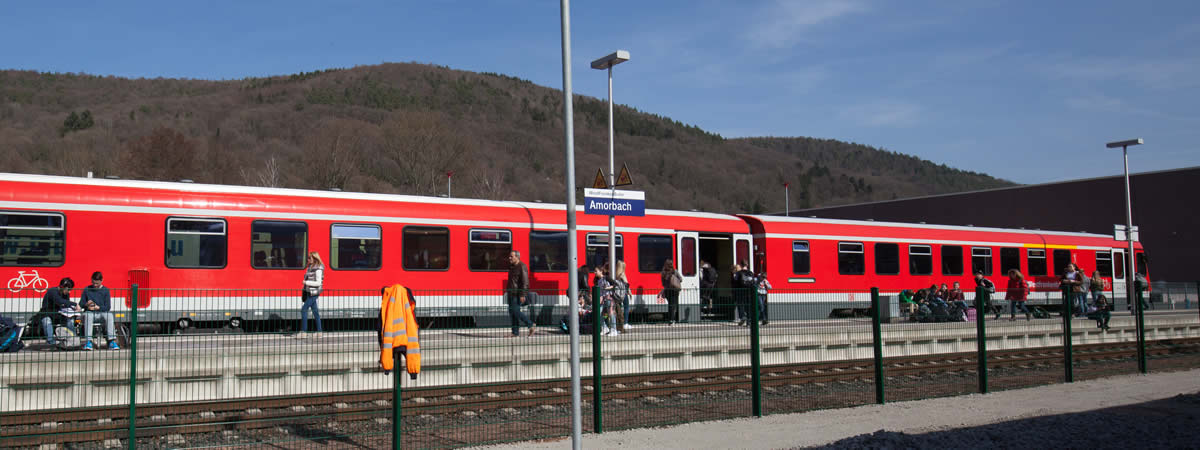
(708, 283)
(97, 304)
(314, 277)
(1016, 295)
(622, 287)
(517, 293)
(1096, 286)
(764, 287)
(671, 284)
(1071, 281)
(988, 289)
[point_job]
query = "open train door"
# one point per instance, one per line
(687, 257)
(1119, 288)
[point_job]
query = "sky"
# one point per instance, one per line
(1028, 91)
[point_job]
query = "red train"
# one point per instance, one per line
(183, 237)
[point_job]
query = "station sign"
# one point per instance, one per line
(605, 202)
(1119, 233)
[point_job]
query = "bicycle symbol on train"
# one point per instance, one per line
(28, 280)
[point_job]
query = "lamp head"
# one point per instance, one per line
(613, 59)
(1123, 144)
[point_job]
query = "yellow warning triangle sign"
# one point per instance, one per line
(624, 179)
(600, 183)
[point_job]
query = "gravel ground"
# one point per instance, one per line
(1153, 411)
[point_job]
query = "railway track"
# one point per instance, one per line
(96, 424)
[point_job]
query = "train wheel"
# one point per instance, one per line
(122, 336)
(236, 323)
(182, 324)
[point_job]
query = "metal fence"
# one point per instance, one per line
(205, 368)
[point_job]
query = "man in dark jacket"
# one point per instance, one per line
(518, 290)
(97, 304)
(708, 283)
(56, 304)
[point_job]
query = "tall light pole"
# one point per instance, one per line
(1131, 277)
(572, 250)
(604, 63)
(787, 209)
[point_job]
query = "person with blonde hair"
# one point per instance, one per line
(313, 278)
(622, 286)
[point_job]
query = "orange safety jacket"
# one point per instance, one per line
(398, 332)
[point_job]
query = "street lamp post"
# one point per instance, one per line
(1130, 283)
(607, 63)
(564, 8)
(787, 210)
(449, 175)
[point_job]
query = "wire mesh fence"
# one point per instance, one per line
(227, 368)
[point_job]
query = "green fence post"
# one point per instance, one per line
(133, 332)
(755, 357)
(981, 302)
(597, 375)
(877, 340)
(1141, 325)
(397, 397)
(1067, 308)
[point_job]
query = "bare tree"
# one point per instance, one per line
(424, 147)
(337, 151)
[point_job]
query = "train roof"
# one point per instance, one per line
(468, 206)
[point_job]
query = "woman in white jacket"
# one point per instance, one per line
(313, 277)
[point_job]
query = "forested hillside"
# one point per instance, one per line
(399, 128)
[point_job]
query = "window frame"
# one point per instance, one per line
(689, 262)
(332, 247)
(929, 249)
(1017, 251)
(566, 241)
(1055, 257)
(404, 245)
(1107, 257)
(63, 226)
(587, 244)
(959, 255)
(168, 233)
(807, 256)
(861, 251)
(878, 252)
(991, 261)
(471, 240)
(671, 253)
(304, 252)
(1029, 262)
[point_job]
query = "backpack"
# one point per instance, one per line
(924, 314)
(10, 336)
(1039, 313)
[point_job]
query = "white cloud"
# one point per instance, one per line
(1156, 74)
(784, 23)
(883, 113)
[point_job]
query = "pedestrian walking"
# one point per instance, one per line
(518, 293)
(671, 284)
(314, 276)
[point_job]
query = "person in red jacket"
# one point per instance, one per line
(1016, 295)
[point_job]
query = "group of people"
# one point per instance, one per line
(95, 303)
(1079, 284)
(937, 303)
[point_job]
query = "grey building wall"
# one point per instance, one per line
(1166, 209)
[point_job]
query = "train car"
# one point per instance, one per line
(822, 266)
(231, 254)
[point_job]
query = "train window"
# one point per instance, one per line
(981, 260)
(1141, 264)
(851, 260)
(487, 250)
(801, 261)
(920, 260)
(952, 259)
(1037, 262)
(1118, 265)
(597, 249)
(653, 251)
(32, 239)
(1061, 259)
(548, 251)
(1010, 259)
(1104, 263)
(426, 248)
(355, 247)
(741, 252)
(277, 244)
(687, 247)
(196, 243)
(887, 259)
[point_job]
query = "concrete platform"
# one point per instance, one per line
(214, 367)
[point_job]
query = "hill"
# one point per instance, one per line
(399, 128)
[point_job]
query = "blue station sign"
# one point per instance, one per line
(606, 202)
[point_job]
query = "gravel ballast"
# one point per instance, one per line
(1158, 410)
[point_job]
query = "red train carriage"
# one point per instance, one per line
(245, 246)
(809, 254)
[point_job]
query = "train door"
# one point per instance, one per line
(741, 251)
(1119, 292)
(687, 257)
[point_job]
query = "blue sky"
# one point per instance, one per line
(1025, 90)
